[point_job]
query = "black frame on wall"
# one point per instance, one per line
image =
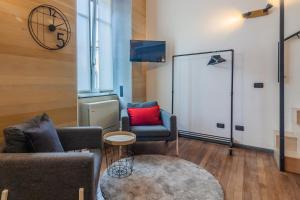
(205, 137)
(281, 89)
(281, 77)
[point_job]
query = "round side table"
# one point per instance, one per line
(119, 154)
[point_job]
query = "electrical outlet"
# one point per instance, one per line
(239, 128)
(220, 125)
(121, 91)
(258, 85)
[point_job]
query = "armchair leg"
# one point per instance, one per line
(177, 145)
(4, 195)
(81, 193)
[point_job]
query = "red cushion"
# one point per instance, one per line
(144, 116)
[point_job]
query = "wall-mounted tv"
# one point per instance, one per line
(147, 51)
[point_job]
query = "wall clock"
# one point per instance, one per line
(49, 27)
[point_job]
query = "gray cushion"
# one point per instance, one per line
(43, 136)
(15, 140)
(97, 163)
(142, 105)
(150, 131)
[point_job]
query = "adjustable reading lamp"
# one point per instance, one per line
(216, 59)
(258, 13)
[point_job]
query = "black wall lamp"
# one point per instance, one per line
(297, 34)
(258, 13)
(216, 59)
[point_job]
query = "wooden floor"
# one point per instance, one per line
(246, 175)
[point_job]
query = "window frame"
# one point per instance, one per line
(92, 19)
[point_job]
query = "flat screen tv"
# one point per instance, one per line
(147, 51)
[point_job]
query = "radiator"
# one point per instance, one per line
(103, 113)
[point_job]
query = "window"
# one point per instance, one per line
(94, 46)
(83, 46)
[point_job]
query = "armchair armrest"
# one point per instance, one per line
(75, 138)
(2, 149)
(125, 120)
(169, 121)
(47, 176)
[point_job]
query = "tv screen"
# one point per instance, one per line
(147, 51)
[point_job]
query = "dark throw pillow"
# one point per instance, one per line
(43, 137)
(142, 105)
(15, 140)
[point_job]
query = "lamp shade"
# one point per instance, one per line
(258, 13)
(216, 59)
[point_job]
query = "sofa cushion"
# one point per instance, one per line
(43, 136)
(15, 140)
(144, 116)
(150, 131)
(142, 105)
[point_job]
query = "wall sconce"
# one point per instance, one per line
(216, 59)
(258, 13)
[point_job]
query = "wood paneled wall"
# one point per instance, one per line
(139, 33)
(34, 80)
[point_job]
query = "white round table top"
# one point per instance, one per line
(119, 138)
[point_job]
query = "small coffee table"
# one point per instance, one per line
(119, 154)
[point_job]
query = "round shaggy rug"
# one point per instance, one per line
(164, 178)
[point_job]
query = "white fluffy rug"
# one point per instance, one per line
(157, 177)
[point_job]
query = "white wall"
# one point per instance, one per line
(200, 25)
(202, 94)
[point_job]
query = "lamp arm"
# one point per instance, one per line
(293, 35)
(268, 7)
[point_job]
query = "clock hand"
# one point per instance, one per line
(62, 29)
(59, 25)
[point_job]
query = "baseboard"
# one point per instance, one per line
(243, 146)
(223, 141)
(204, 137)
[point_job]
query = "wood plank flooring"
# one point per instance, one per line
(248, 175)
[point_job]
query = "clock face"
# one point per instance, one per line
(49, 27)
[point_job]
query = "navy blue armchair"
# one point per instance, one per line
(165, 132)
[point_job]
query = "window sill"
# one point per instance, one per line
(90, 95)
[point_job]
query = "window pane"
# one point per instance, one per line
(105, 53)
(105, 10)
(83, 54)
(83, 7)
(104, 60)
(100, 44)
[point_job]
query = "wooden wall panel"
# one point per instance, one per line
(34, 80)
(139, 33)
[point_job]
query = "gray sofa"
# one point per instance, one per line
(59, 176)
(165, 132)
